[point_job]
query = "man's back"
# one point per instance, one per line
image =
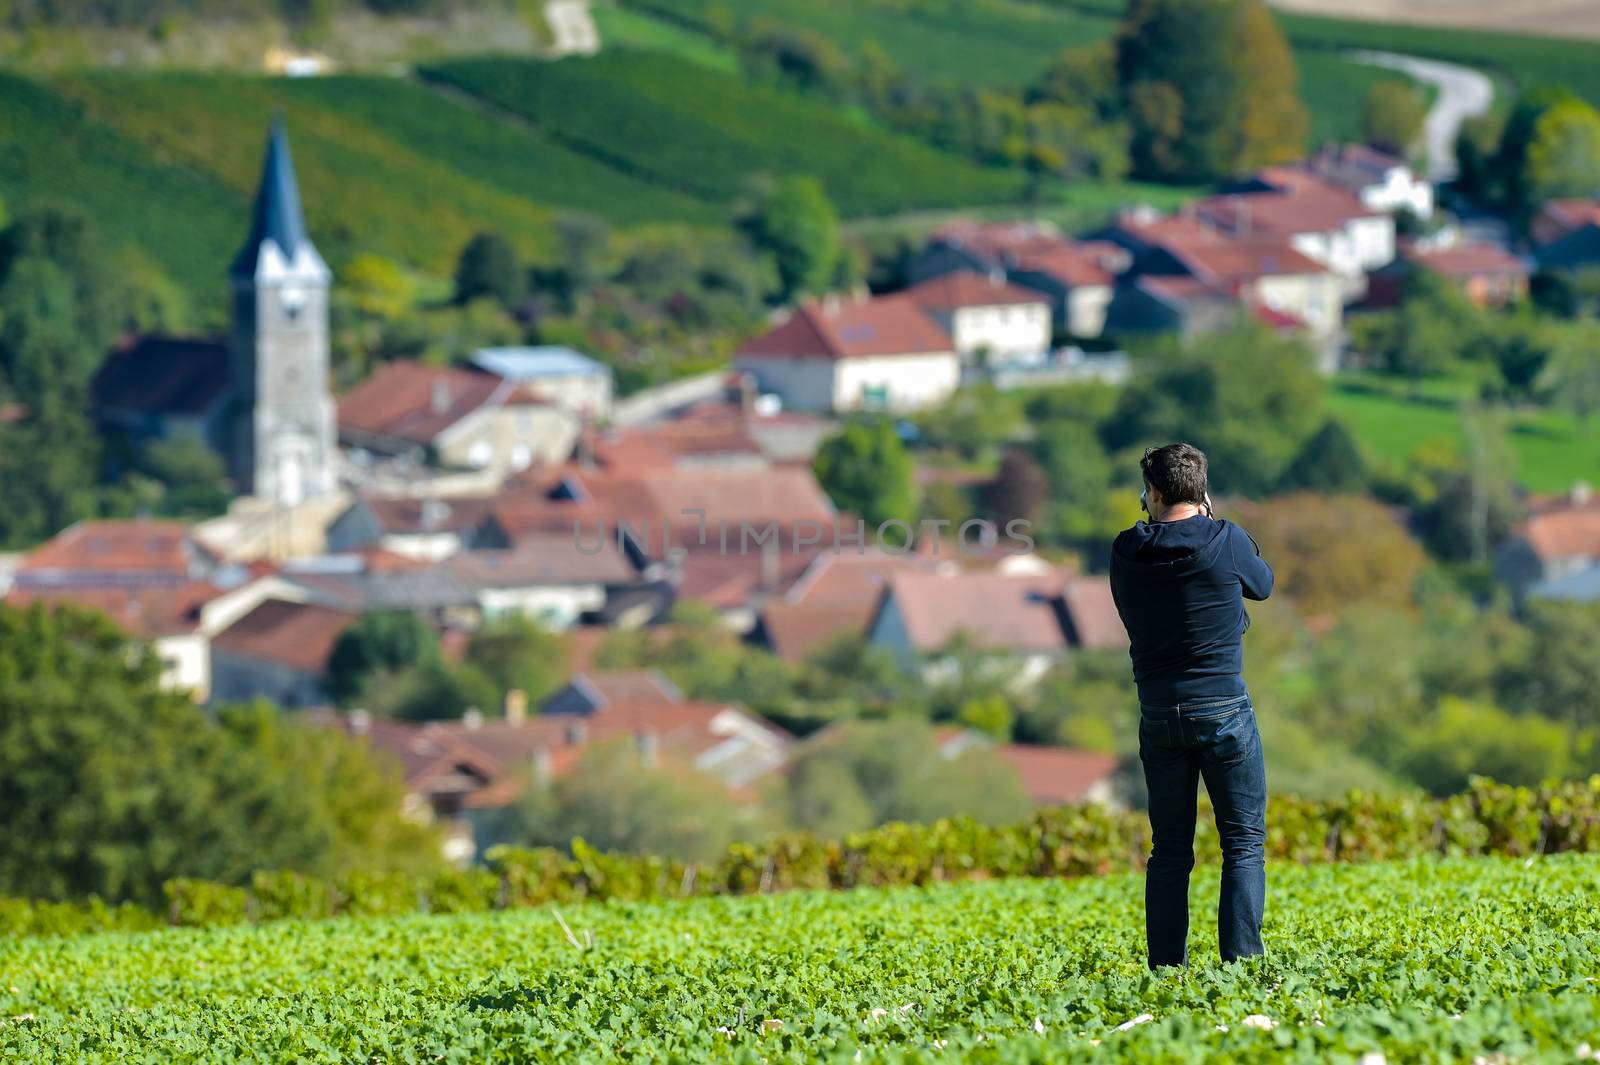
(1180, 586)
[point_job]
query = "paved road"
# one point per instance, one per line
(1463, 93)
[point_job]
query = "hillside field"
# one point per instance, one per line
(1001, 42)
(1552, 451)
(1436, 960)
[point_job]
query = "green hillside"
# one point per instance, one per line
(166, 162)
(1005, 42)
(1432, 960)
(688, 127)
(983, 42)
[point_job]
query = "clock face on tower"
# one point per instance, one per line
(292, 298)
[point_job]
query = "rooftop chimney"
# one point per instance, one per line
(1582, 493)
(649, 748)
(360, 722)
(543, 766)
(472, 719)
(769, 563)
(439, 396)
(516, 707)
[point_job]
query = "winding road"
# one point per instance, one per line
(1463, 93)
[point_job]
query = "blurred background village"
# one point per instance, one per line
(364, 398)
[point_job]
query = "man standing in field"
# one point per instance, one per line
(1180, 580)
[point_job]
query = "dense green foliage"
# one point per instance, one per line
(1209, 87)
(1421, 961)
(693, 129)
(867, 472)
(1487, 820)
(384, 641)
(110, 786)
(794, 224)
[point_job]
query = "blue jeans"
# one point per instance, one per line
(1215, 739)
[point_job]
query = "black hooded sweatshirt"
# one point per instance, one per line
(1180, 587)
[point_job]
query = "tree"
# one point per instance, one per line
(488, 268)
(1465, 739)
(516, 653)
(1424, 336)
(620, 798)
(384, 640)
(1563, 157)
(899, 774)
(1556, 673)
(49, 463)
(973, 420)
(1328, 461)
(1019, 490)
(795, 224)
(1330, 552)
(1393, 116)
(1208, 87)
(433, 691)
(866, 471)
(111, 785)
(377, 287)
(1246, 396)
(1572, 373)
(192, 476)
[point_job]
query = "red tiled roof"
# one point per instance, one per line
(163, 375)
(1056, 775)
(1305, 205)
(993, 611)
(1571, 214)
(631, 685)
(1469, 260)
(458, 514)
(1282, 321)
(300, 636)
(997, 241)
(407, 400)
(794, 633)
(1001, 611)
(138, 547)
(1093, 613)
(1564, 532)
(851, 328)
(145, 611)
(543, 559)
(717, 432)
(964, 288)
(1235, 261)
(1085, 264)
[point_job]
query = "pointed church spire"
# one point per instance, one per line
(277, 221)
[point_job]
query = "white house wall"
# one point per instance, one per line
(1007, 330)
(804, 384)
(910, 382)
(556, 606)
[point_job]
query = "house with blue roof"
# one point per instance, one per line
(556, 374)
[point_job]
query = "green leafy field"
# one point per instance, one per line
(1431, 960)
(1552, 451)
(682, 125)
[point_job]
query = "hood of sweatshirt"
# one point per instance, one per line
(1170, 549)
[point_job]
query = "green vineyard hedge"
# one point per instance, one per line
(1069, 841)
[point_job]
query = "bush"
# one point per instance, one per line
(1487, 819)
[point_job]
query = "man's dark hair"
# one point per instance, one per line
(1177, 471)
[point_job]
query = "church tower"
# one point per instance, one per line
(283, 446)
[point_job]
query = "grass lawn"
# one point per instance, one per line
(1552, 452)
